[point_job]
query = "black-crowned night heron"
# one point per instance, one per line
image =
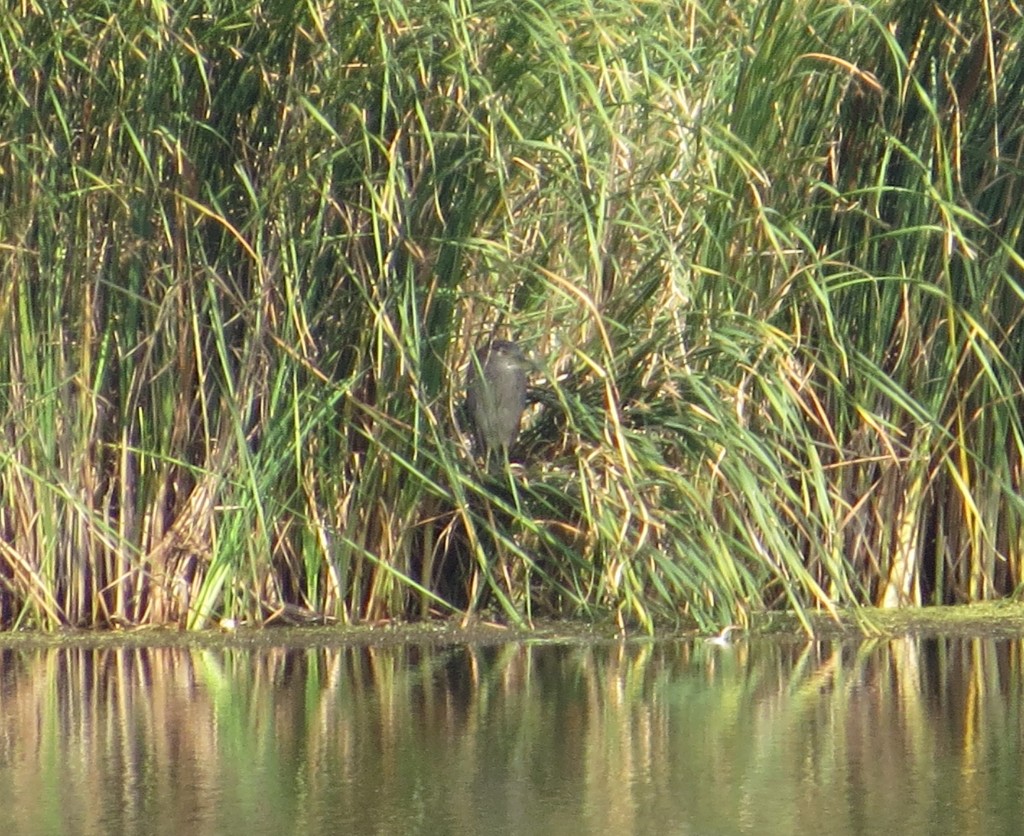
(496, 397)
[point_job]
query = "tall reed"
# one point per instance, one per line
(766, 257)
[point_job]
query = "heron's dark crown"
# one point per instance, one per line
(505, 348)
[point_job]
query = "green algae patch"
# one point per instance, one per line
(1004, 619)
(996, 619)
(431, 633)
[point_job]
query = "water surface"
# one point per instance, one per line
(916, 736)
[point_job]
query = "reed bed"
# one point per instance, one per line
(766, 258)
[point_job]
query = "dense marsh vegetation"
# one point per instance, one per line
(766, 257)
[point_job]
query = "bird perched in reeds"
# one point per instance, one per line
(496, 397)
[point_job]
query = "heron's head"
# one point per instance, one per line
(507, 351)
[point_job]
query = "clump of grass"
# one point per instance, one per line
(766, 259)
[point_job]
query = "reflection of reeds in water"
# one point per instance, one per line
(451, 737)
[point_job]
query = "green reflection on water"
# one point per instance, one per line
(905, 735)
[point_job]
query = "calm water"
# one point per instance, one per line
(906, 736)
